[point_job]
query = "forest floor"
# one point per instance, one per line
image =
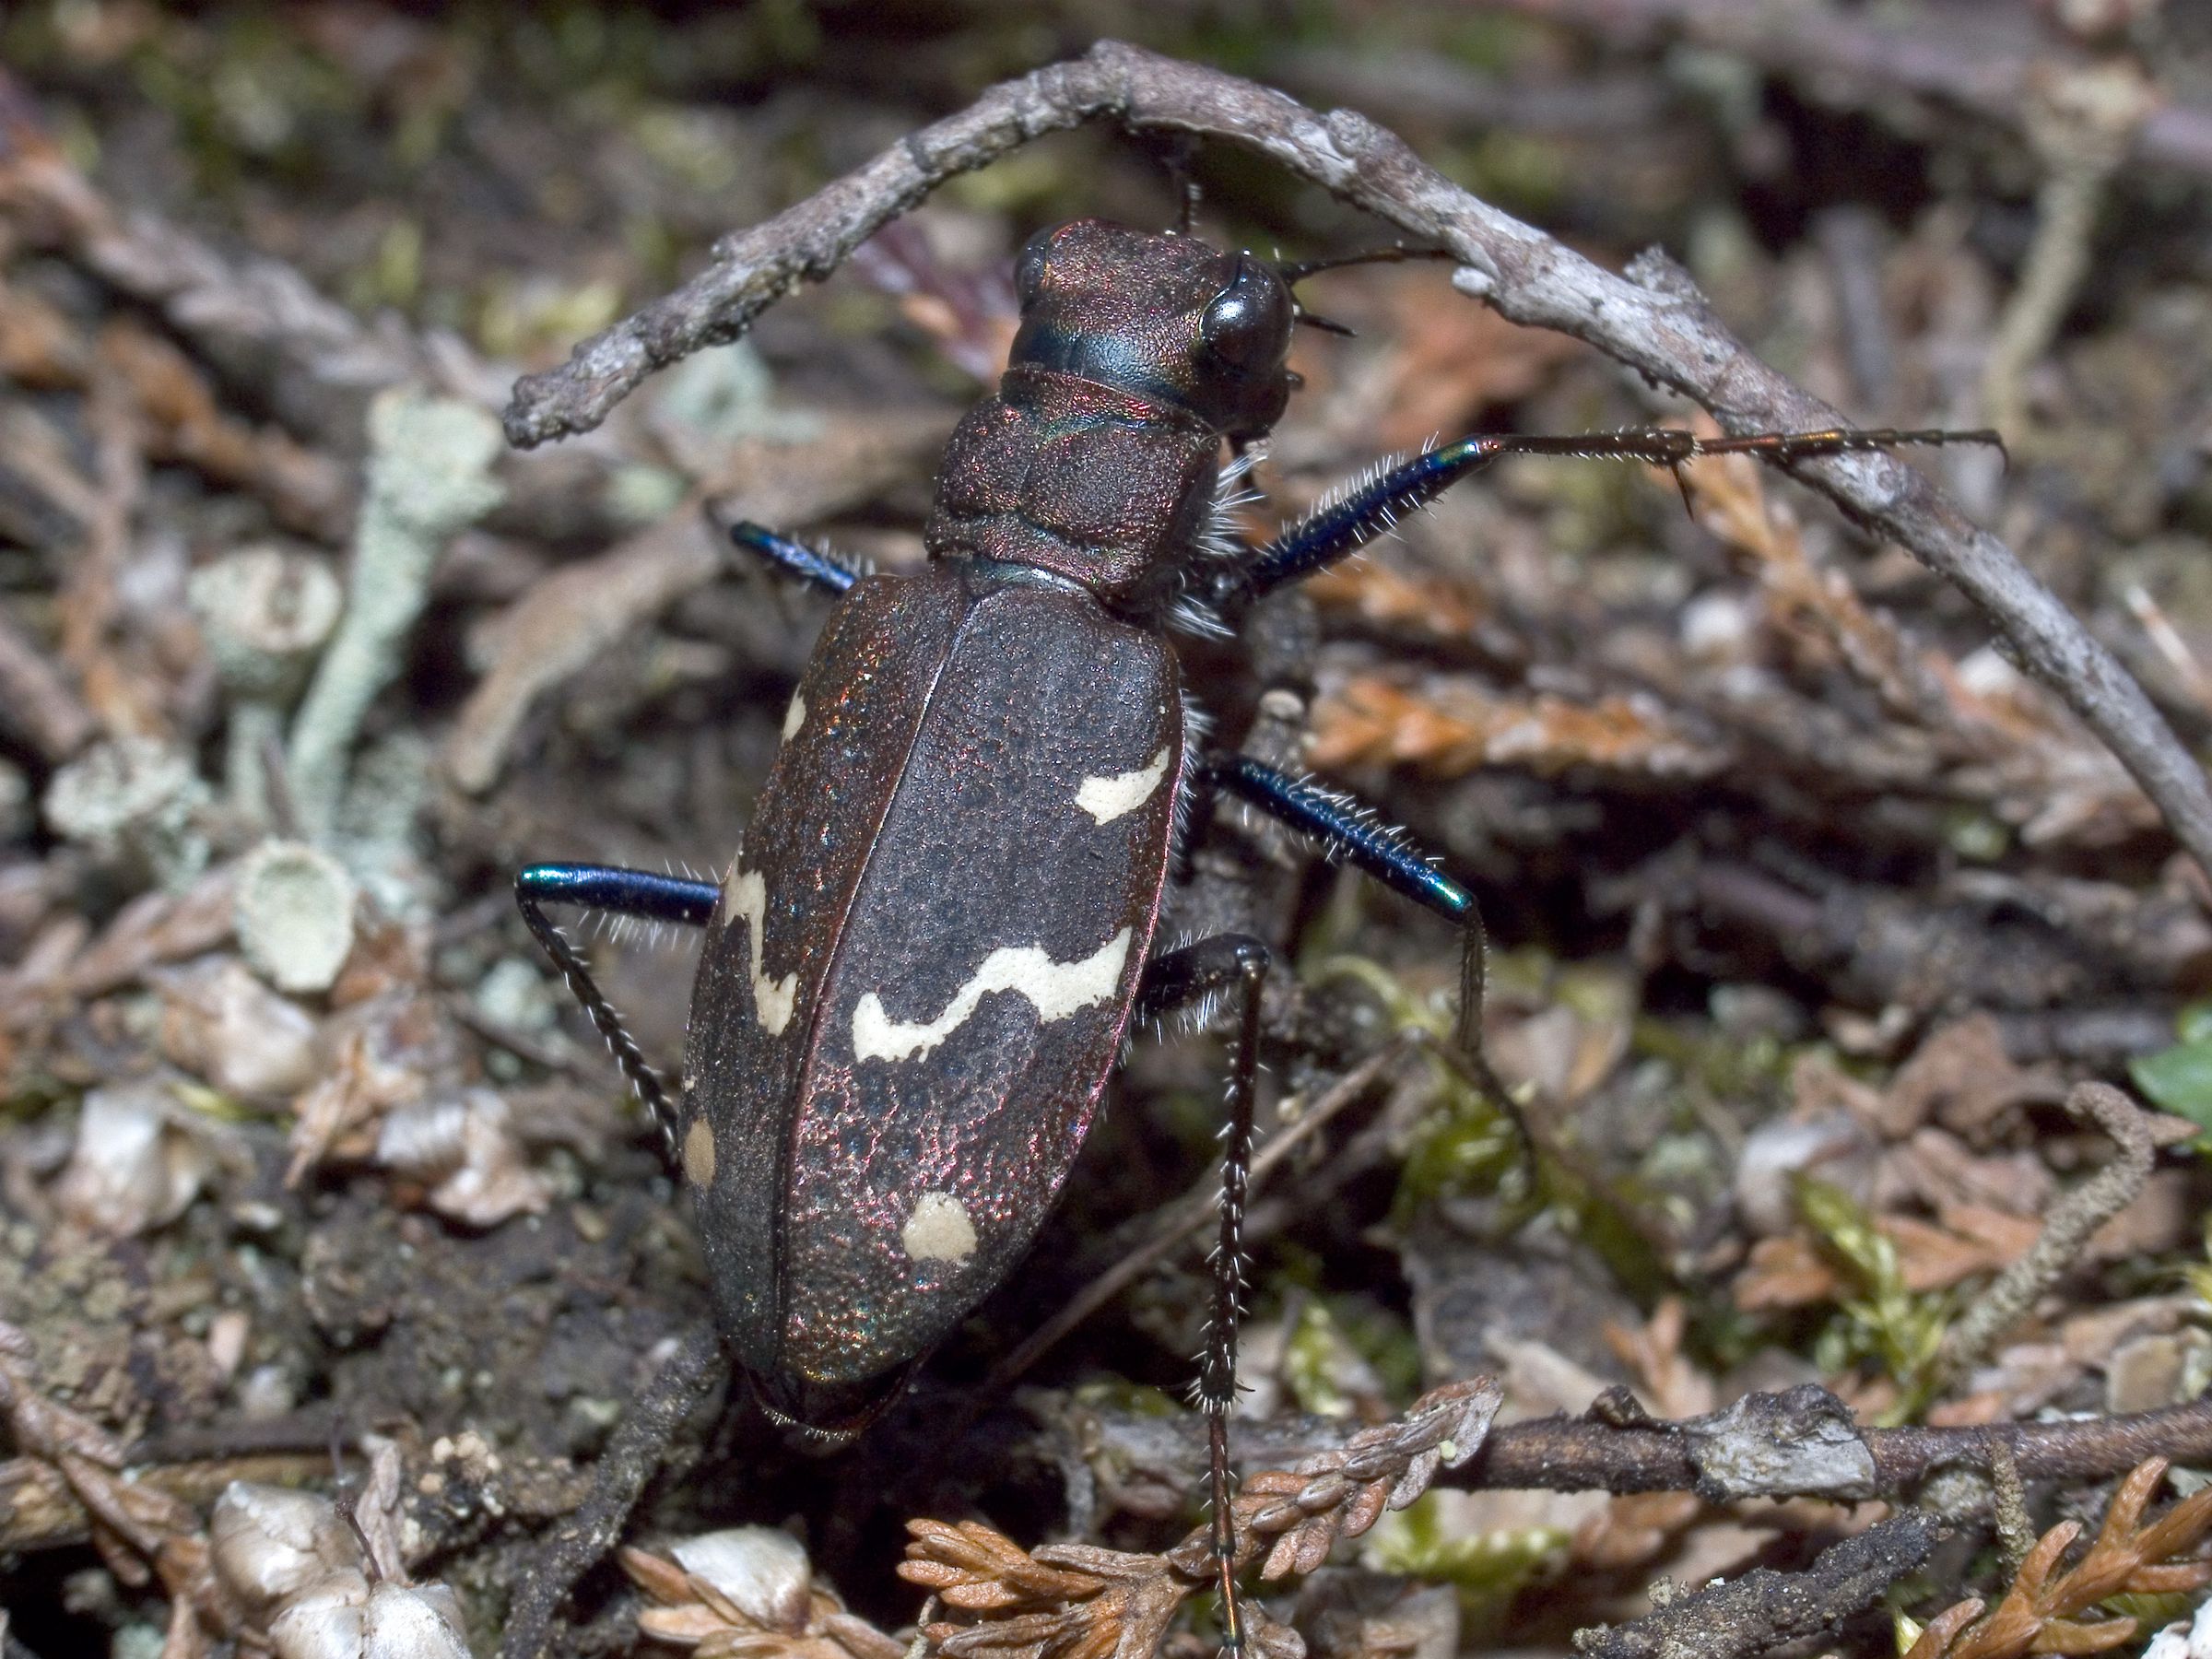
(1856, 994)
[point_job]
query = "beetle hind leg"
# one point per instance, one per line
(638, 893)
(1194, 974)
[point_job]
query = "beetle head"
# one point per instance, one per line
(1162, 317)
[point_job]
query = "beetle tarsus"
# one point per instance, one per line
(1194, 972)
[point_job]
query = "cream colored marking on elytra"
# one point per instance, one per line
(795, 717)
(699, 1153)
(939, 1230)
(1054, 989)
(772, 999)
(1108, 798)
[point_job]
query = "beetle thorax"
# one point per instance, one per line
(1137, 356)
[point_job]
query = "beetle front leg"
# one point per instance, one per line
(638, 893)
(1358, 514)
(1174, 980)
(789, 557)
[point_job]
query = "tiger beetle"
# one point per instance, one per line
(920, 966)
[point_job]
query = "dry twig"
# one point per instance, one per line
(1069, 1601)
(1802, 1443)
(1854, 56)
(2072, 1221)
(1764, 1608)
(1652, 320)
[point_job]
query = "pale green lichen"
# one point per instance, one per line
(377, 831)
(429, 477)
(728, 393)
(134, 798)
(263, 614)
(293, 912)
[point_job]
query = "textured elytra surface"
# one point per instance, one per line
(926, 859)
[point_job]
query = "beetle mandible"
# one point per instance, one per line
(919, 967)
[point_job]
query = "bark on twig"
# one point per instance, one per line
(1747, 1449)
(1763, 1608)
(1652, 320)
(631, 1458)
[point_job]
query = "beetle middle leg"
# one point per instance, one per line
(1351, 830)
(1353, 833)
(1173, 980)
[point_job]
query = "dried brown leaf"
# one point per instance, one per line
(1391, 599)
(2041, 1614)
(1077, 1602)
(1451, 726)
(693, 1612)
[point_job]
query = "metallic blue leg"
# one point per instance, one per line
(1343, 527)
(810, 565)
(1351, 830)
(629, 893)
(640, 893)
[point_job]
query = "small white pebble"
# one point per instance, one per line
(763, 1571)
(271, 1542)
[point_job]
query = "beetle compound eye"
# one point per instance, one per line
(1247, 322)
(1028, 265)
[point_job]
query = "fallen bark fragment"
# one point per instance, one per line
(1764, 1608)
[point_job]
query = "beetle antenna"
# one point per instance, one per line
(1178, 152)
(1295, 271)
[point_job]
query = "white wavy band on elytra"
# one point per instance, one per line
(1054, 989)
